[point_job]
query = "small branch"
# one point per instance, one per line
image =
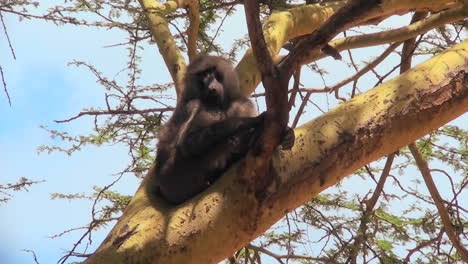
(33, 253)
(92, 225)
(350, 14)
(295, 89)
(301, 109)
(164, 39)
(5, 85)
(305, 90)
(259, 47)
(407, 53)
(115, 112)
(131, 41)
(423, 245)
(276, 89)
(7, 36)
(288, 256)
(410, 45)
(194, 17)
(366, 69)
(309, 92)
(448, 228)
(22, 183)
(370, 204)
(211, 44)
(394, 35)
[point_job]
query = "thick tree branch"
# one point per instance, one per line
(166, 44)
(194, 17)
(276, 96)
(260, 49)
(355, 133)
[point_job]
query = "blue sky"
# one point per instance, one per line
(42, 89)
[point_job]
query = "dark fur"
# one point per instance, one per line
(212, 127)
(208, 131)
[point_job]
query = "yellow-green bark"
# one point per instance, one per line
(167, 46)
(399, 34)
(286, 25)
(227, 216)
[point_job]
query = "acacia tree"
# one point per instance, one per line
(272, 185)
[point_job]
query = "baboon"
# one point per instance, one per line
(212, 127)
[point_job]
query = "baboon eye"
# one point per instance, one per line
(219, 76)
(202, 76)
(206, 73)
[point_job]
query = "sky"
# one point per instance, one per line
(42, 89)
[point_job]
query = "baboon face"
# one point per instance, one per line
(211, 87)
(213, 81)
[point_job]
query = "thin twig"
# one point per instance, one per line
(423, 245)
(7, 36)
(448, 227)
(365, 69)
(115, 112)
(33, 253)
(5, 85)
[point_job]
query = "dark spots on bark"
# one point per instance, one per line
(124, 234)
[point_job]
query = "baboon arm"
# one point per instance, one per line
(242, 108)
(194, 109)
(202, 139)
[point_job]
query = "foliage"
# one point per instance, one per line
(21, 185)
(334, 226)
